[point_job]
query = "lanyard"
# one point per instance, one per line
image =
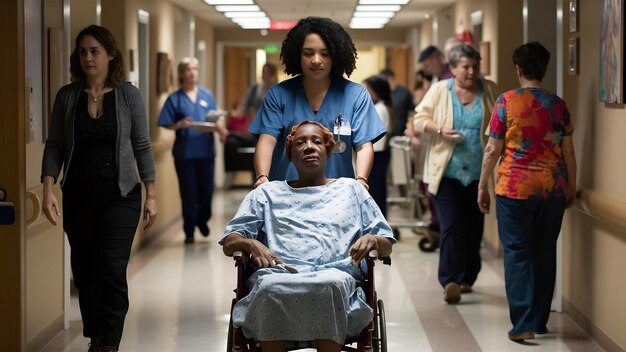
(340, 146)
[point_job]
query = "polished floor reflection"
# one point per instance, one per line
(180, 299)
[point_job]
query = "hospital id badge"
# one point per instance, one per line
(341, 128)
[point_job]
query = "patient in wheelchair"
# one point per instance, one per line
(307, 237)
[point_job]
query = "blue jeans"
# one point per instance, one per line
(461, 231)
(528, 230)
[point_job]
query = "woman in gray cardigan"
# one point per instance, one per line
(99, 136)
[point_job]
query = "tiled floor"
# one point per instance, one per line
(180, 299)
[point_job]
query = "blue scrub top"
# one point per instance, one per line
(190, 143)
(286, 105)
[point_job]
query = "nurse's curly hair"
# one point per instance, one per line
(336, 39)
(329, 141)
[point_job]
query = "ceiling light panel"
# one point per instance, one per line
(251, 20)
(242, 8)
(259, 14)
(388, 14)
(382, 20)
(383, 2)
(366, 25)
(229, 2)
(394, 8)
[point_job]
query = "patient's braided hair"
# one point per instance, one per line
(328, 139)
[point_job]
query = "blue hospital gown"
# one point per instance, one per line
(311, 228)
(286, 105)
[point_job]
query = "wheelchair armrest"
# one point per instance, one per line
(373, 254)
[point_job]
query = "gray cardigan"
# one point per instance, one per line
(133, 152)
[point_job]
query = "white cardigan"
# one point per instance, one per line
(437, 107)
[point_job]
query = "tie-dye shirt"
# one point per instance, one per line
(532, 123)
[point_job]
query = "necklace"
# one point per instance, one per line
(95, 97)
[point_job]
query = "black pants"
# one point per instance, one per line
(378, 179)
(100, 226)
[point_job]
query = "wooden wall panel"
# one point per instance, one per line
(236, 73)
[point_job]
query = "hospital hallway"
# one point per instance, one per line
(180, 298)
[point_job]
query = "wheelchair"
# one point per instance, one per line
(373, 338)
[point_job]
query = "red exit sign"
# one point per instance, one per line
(282, 25)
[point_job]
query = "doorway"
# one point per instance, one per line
(143, 52)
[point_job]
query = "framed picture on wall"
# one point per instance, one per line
(573, 15)
(485, 57)
(572, 56)
(164, 73)
(54, 77)
(611, 78)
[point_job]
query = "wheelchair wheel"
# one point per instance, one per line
(426, 245)
(380, 329)
(230, 340)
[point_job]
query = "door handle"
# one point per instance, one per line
(36, 207)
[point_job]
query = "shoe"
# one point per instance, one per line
(452, 293)
(465, 288)
(188, 240)
(94, 345)
(204, 230)
(522, 336)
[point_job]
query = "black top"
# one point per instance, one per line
(95, 140)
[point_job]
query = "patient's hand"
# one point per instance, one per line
(362, 247)
(262, 256)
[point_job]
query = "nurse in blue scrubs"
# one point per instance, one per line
(194, 148)
(318, 52)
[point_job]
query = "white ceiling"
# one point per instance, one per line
(338, 10)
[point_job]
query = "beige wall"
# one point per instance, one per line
(594, 252)
(161, 27)
(44, 243)
(205, 32)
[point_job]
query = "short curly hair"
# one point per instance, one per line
(533, 59)
(337, 41)
(329, 141)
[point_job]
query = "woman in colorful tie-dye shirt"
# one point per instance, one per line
(531, 135)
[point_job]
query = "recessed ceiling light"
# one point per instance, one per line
(394, 8)
(381, 20)
(245, 14)
(246, 8)
(383, 2)
(366, 26)
(374, 14)
(229, 2)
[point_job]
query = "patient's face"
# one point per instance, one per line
(308, 151)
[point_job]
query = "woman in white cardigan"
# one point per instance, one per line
(456, 113)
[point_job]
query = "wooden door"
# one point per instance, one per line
(236, 74)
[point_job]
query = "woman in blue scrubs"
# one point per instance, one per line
(194, 149)
(318, 52)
